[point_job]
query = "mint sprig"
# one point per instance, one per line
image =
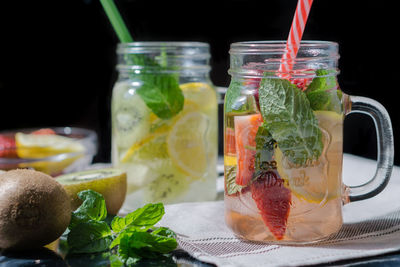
(159, 89)
(134, 235)
(290, 120)
(323, 91)
(162, 94)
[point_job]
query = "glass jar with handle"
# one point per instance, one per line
(283, 139)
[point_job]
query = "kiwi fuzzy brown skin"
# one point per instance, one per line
(34, 209)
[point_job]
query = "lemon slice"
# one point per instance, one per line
(186, 144)
(41, 146)
(151, 147)
(319, 181)
(202, 94)
(331, 122)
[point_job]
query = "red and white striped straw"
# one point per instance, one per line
(294, 38)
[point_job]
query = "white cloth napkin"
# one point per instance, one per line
(371, 227)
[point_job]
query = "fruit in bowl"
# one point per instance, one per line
(51, 150)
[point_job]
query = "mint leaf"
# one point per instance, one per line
(323, 92)
(162, 94)
(231, 95)
(88, 237)
(230, 180)
(289, 119)
(142, 243)
(115, 261)
(92, 208)
(159, 90)
(326, 82)
(135, 245)
(164, 231)
(264, 150)
(142, 218)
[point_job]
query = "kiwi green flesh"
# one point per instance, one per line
(78, 177)
(111, 183)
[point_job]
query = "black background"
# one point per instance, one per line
(57, 57)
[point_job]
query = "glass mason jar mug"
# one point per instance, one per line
(283, 136)
(164, 122)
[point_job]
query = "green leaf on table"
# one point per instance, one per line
(90, 236)
(323, 92)
(138, 244)
(164, 231)
(290, 120)
(92, 208)
(142, 218)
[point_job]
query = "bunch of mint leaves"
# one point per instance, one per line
(132, 237)
(288, 114)
(159, 88)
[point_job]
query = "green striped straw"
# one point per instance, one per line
(116, 21)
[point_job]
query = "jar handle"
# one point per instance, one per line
(385, 148)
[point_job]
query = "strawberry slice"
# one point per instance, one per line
(245, 138)
(300, 82)
(7, 147)
(230, 145)
(273, 200)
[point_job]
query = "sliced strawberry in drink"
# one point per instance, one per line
(273, 200)
(299, 81)
(230, 145)
(245, 138)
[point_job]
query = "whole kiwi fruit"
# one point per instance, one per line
(34, 209)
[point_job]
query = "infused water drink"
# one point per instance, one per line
(283, 139)
(269, 197)
(164, 123)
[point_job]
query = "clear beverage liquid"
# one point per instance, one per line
(291, 203)
(166, 160)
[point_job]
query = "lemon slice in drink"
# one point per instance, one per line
(187, 144)
(201, 94)
(150, 148)
(319, 181)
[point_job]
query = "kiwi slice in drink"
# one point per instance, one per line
(109, 182)
(168, 184)
(131, 119)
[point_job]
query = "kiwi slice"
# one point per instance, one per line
(168, 185)
(131, 118)
(109, 182)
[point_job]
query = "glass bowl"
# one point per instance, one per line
(54, 151)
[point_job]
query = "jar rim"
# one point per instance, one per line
(167, 46)
(273, 45)
(164, 43)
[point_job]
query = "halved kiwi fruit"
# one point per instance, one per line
(109, 182)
